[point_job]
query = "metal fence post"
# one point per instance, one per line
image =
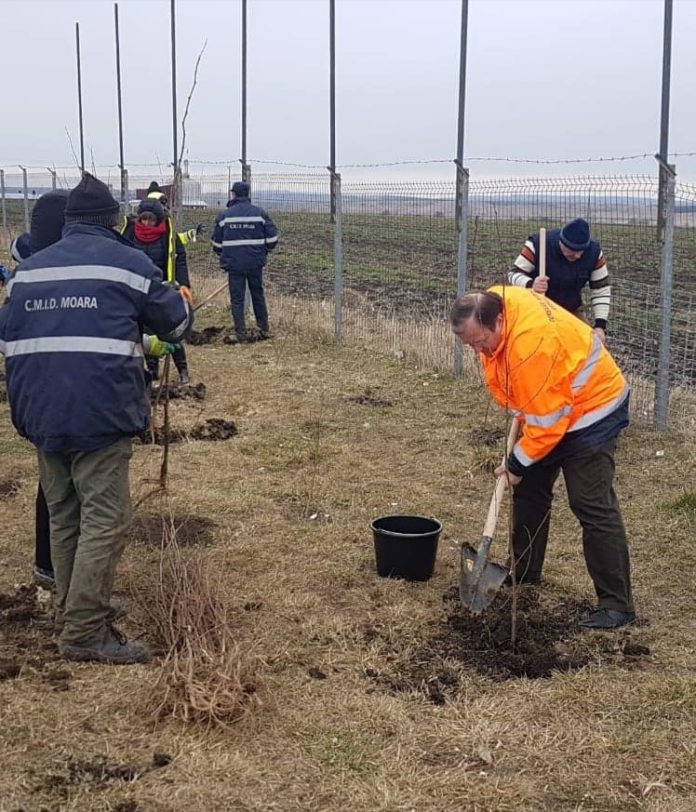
(338, 255)
(662, 383)
(54, 182)
(461, 219)
(26, 198)
(5, 235)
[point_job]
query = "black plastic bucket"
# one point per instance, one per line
(406, 546)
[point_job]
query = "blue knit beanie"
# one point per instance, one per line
(576, 235)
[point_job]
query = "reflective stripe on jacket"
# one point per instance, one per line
(551, 370)
(71, 332)
(168, 253)
(243, 235)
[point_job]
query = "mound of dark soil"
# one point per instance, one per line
(369, 398)
(547, 641)
(208, 335)
(214, 428)
(222, 335)
(25, 632)
(182, 392)
(21, 607)
(191, 530)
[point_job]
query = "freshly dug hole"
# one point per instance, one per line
(548, 640)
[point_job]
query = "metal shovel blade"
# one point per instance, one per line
(479, 579)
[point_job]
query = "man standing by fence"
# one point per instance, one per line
(243, 236)
(573, 260)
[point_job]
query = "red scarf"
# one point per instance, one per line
(147, 234)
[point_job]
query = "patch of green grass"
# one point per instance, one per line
(682, 505)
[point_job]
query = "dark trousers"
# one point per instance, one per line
(180, 362)
(238, 281)
(43, 533)
(589, 477)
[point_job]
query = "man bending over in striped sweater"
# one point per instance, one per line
(573, 260)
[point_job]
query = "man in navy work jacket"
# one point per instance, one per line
(242, 237)
(573, 261)
(71, 333)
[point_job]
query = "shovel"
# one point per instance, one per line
(479, 578)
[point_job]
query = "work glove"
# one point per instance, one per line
(186, 293)
(5, 275)
(200, 229)
(157, 348)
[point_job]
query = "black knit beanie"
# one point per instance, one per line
(153, 206)
(92, 202)
(48, 219)
(241, 188)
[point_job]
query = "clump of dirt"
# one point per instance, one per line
(208, 335)
(548, 640)
(369, 398)
(182, 392)
(482, 436)
(21, 607)
(214, 428)
(25, 631)
(3, 395)
(191, 530)
(9, 488)
(97, 773)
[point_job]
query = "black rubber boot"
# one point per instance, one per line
(607, 619)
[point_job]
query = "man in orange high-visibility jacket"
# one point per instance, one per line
(550, 369)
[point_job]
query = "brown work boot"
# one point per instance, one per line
(107, 646)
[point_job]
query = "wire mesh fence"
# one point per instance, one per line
(399, 257)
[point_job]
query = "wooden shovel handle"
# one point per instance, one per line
(542, 253)
(501, 483)
(207, 299)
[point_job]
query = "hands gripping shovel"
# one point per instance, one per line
(479, 578)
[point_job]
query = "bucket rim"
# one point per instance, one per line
(436, 522)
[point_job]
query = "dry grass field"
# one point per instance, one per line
(362, 694)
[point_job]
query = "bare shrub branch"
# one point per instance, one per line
(206, 677)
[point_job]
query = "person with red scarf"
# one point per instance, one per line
(153, 232)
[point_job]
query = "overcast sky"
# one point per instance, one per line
(545, 79)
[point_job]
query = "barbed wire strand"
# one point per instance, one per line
(409, 162)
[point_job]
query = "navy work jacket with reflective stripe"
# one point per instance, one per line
(243, 236)
(71, 332)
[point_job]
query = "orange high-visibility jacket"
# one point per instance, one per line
(551, 370)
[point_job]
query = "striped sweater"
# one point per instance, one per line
(567, 279)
